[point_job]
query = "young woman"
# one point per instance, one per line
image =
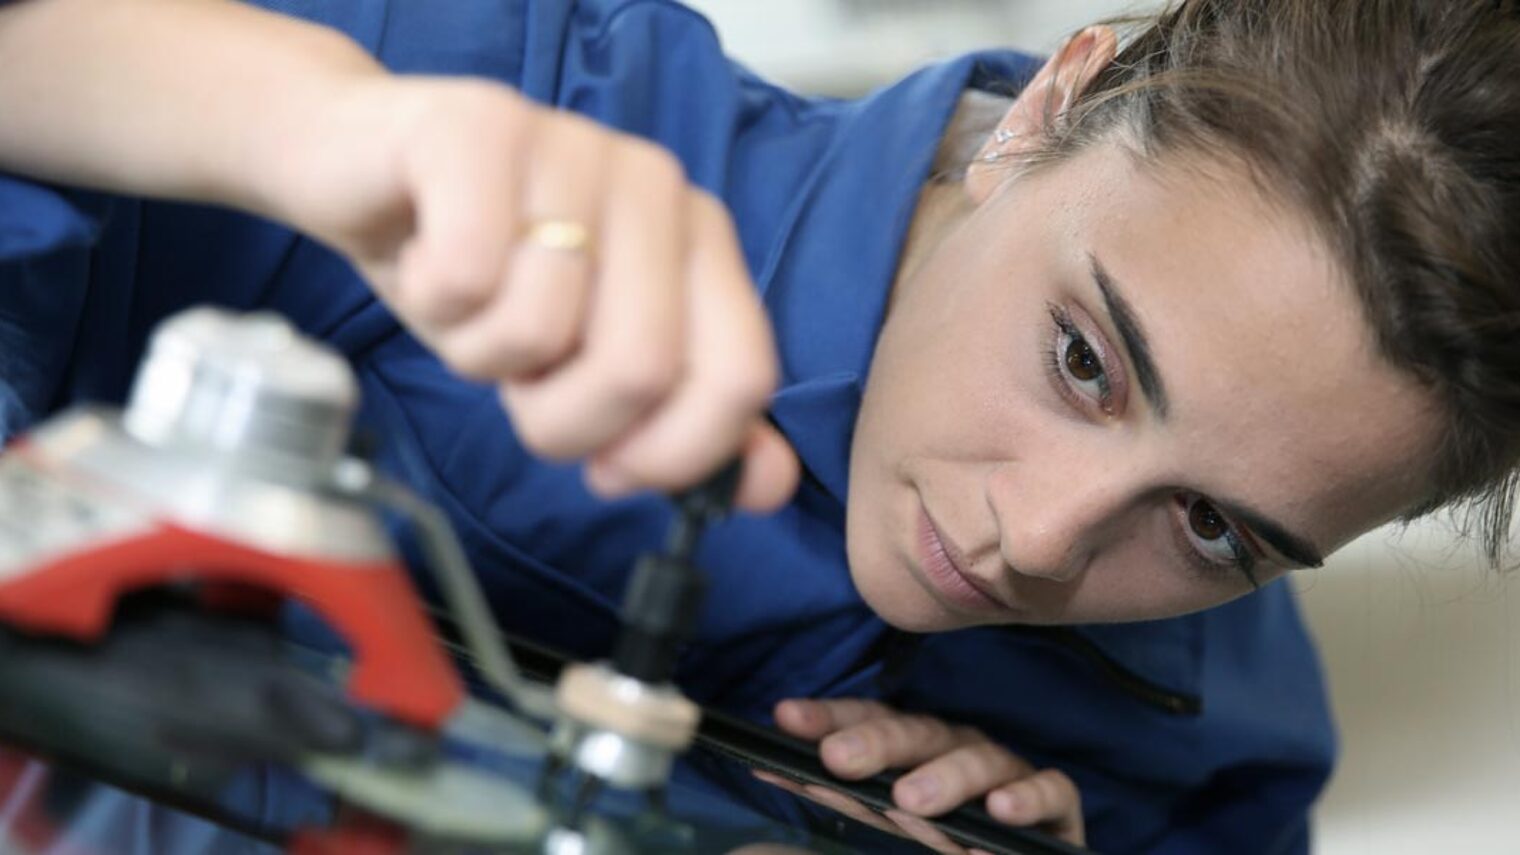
(1097, 349)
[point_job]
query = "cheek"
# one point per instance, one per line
(1143, 579)
(960, 374)
(1135, 574)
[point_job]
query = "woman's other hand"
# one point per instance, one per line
(949, 766)
(571, 265)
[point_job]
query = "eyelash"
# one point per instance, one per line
(1065, 332)
(1243, 560)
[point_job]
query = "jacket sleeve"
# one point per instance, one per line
(1237, 770)
(1258, 808)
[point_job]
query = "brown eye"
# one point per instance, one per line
(1083, 364)
(1206, 522)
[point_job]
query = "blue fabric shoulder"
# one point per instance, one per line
(44, 237)
(36, 220)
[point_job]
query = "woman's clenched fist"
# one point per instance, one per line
(572, 265)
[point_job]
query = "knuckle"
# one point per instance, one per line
(576, 140)
(977, 765)
(891, 733)
(451, 288)
(464, 109)
(493, 102)
(641, 382)
(844, 712)
(1065, 787)
(528, 347)
(708, 210)
(875, 739)
(920, 728)
(751, 386)
(464, 359)
(653, 162)
(536, 433)
(1056, 794)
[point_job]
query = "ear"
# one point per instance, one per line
(1064, 77)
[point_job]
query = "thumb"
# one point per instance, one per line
(771, 470)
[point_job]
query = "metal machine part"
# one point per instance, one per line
(619, 728)
(227, 472)
(225, 478)
(248, 390)
(219, 474)
(230, 454)
(442, 800)
(594, 838)
(623, 723)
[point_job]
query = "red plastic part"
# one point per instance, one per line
(23, 792)
(399, 669)
(355, 834)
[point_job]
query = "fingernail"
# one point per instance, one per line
(921, 792)
(849, 747)
(1003, 805)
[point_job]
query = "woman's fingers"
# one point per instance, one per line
(464, 207)
(1047, 797)
(950, 766)
(576, 268)
(862, 737)
(771, 470)
(634, 351)
(536, 318)
(894, 742)
(958, 776)
(815, 719)
(728, 369)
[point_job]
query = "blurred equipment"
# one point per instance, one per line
(221, 472)
(145, 559)
(144, 556)
(623, 723)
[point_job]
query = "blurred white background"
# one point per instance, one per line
(1419, 638)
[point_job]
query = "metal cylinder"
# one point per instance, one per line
(248, 389)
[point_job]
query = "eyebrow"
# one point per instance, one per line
(1135, 342)
(1287, 544)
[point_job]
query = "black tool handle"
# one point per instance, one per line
(665, 593)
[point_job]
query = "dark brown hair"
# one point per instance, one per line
(1396, 125)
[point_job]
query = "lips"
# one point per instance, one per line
(943, 569)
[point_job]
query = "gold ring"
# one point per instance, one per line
(561, 235)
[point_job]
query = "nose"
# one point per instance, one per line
(1052, 517)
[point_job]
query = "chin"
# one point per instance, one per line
(904, 604)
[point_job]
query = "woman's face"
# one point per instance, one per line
(1107, 391)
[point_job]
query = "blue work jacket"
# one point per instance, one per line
(1206, 733)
